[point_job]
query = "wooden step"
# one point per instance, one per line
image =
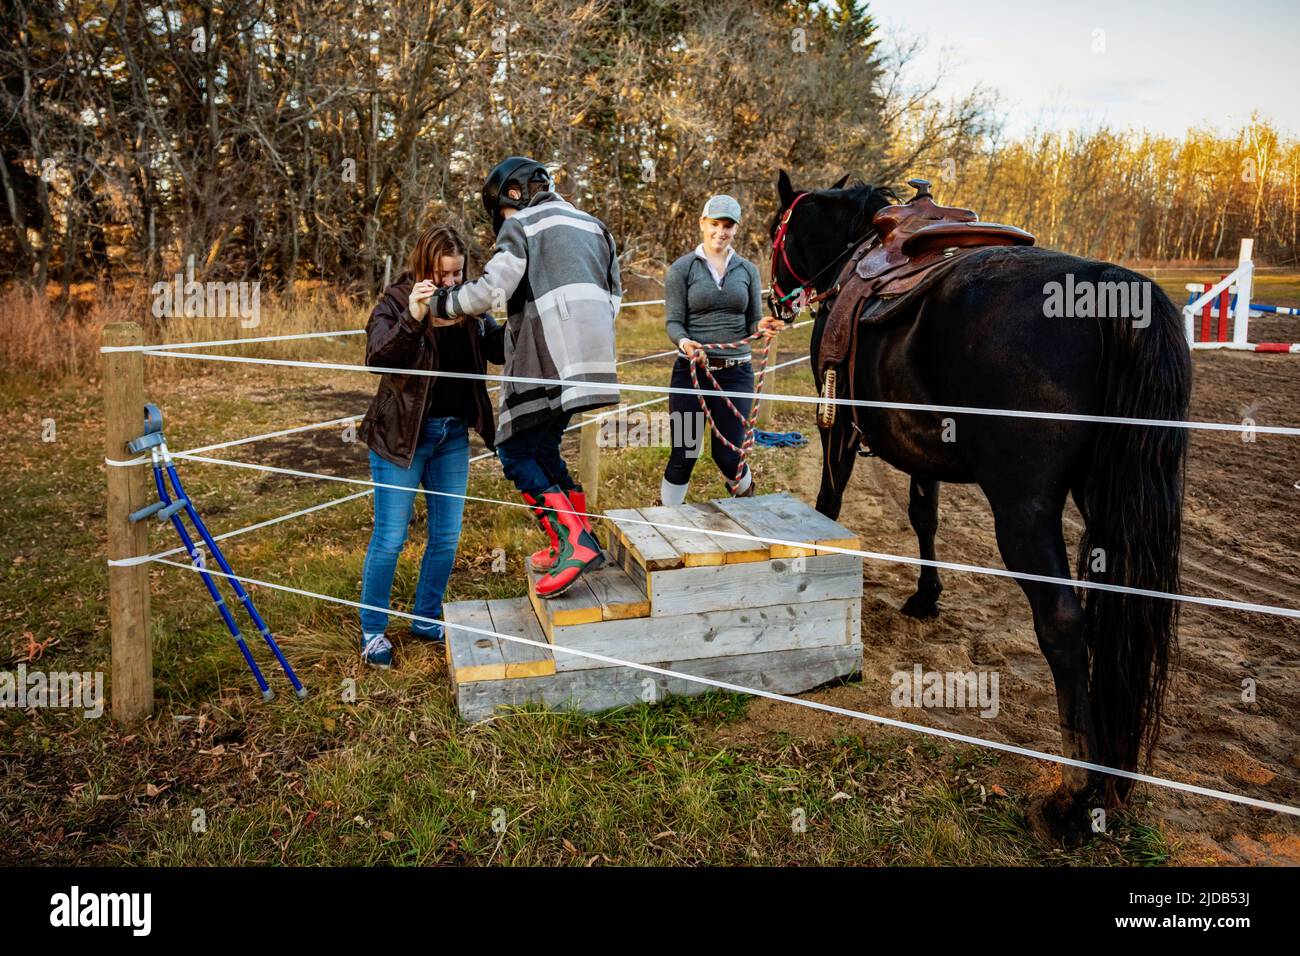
(715, 633)
(647, 547)
(605, 594)
(708, 517)
(480, 657)
(781, 581)
(594, 690)
(682, 596)
(786, 517)
(680, 537)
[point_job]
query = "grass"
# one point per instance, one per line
(376, 768)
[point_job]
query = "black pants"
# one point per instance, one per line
(686, 408)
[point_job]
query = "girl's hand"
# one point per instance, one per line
(689, 347)
(770, 325)
(418, 305)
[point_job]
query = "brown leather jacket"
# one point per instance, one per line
(391, 426)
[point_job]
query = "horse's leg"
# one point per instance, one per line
(838, 454)
(1029, 537)
(923, 512)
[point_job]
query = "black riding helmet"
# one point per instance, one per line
(528, 175)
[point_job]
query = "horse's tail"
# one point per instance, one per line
(1132, 506)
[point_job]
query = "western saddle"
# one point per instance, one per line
(916, 243)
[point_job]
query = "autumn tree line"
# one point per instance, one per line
(294, 140)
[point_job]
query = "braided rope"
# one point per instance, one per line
(701, 361)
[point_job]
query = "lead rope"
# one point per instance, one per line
(702, 361)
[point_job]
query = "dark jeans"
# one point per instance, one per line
(531, 458)
(738, 378)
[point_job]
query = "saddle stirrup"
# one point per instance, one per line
(826, 407)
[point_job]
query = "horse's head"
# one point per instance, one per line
(814, 231)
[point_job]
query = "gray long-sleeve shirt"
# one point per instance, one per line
(695, 308)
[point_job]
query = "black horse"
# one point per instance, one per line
(981, 336)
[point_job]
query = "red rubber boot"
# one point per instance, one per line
(543, 559)
(578, 549)
(579, 501)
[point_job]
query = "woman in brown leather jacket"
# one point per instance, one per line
(417, 429)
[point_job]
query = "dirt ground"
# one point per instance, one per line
(1241, 541)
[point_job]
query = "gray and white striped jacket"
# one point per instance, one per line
(556, 269)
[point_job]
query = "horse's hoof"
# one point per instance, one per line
(1059, 821)
(923, 607)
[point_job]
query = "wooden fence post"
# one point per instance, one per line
(128, 490)
(769, 387)
(589, 462)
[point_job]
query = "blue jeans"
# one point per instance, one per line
(531, 458)
(441, 463)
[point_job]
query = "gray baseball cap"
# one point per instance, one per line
(721, 207)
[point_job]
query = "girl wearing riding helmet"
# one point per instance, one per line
(712, 295)
(417, 429)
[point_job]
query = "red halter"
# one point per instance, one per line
(778, 249)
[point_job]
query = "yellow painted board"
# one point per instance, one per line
(697, 550)
(516, 617)
(578, 605)
(707, 517)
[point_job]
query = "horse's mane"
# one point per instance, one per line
(864, 190)
(863, 197)
(868, 198)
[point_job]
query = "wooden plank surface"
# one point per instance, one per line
(707, 517)
(470, 656)
(578, 605)
(515, 616)
(813, 525)
(757, 516)
(623, 558)
(619, 596)
(781, 672)
(779, 581)
(710, 634)
(650, 549)
(697, 550)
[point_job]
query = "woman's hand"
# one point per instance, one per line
(418, 305)
(689, 347)
(770, 325)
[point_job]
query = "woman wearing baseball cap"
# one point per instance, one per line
(712, 294)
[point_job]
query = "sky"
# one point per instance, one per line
(1160, 66)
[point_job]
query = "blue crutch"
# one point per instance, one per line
(167, 508)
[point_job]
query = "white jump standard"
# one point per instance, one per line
(1230, 296)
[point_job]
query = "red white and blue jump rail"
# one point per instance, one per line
(1230, 298)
